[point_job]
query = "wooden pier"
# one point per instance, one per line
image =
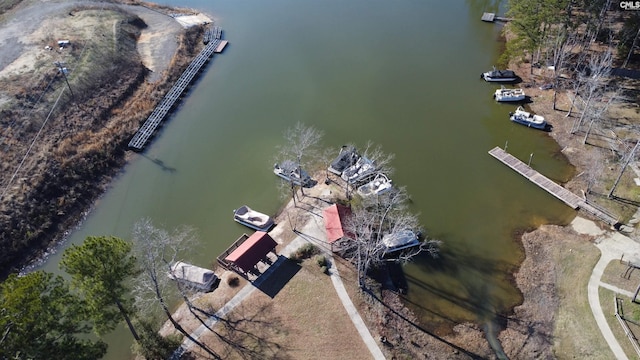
(147, 129)
(491, 17)
(551, 187)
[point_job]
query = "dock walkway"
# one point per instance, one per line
(147, 129)
(569, 198)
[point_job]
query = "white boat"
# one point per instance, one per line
(401, 240)
(499, 75)
(290, 172)
(359, 171)
(346, 158)
(253, 219)
(379, 185)
(526, 118)
(193, 276)
(504, 94)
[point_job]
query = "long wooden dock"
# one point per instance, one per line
(551, 187)
(147, 129)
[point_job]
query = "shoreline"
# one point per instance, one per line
(123, 119)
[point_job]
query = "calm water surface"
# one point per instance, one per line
(404, 75)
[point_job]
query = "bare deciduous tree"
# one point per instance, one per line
(298, 153)
(156, 250)
(629, 157)
(594, 80)
(375, 219)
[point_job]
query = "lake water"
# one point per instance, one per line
(404, 75)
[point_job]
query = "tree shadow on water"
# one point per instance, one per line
(160, 163)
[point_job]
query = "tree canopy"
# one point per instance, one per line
(100, 269)
(41, 319)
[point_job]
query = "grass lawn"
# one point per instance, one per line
(303, 319)
(577, 335)
(630, 309)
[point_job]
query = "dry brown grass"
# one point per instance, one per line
(606, 298)
(305, 319)
(620, 275)
(576, 333)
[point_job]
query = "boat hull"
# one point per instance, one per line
(527, 119)
(509, 95)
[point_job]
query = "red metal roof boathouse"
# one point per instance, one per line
(246, 252)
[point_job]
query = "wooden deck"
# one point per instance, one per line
(491, 17)
(147, 129)
(551, 187)
(488, 17)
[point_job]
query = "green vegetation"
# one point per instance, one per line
(41, 319)
(100, 269)
(304, 252)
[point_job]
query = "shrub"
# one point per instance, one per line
(305, 251)
(233, 281)
(321, 260)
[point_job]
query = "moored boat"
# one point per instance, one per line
(362, 169)
(290, 172)
(503, 94)
(345, 159)
(253, 219)
(499, 75)
(401, 240)
(523, 117)
(193, 276)
(379, 185)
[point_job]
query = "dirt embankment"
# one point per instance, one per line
(56, 162)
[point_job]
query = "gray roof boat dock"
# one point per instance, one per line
(551, 187)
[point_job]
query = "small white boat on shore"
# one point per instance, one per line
(503, 94)
(499, 75)
(526, 118)
(253, 219)
(379, 185)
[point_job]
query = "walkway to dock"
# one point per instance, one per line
(147, 129)
(551, 187)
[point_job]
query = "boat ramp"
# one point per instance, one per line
(551, 187)
(144, 133)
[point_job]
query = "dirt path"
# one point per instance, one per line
(23, 36)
